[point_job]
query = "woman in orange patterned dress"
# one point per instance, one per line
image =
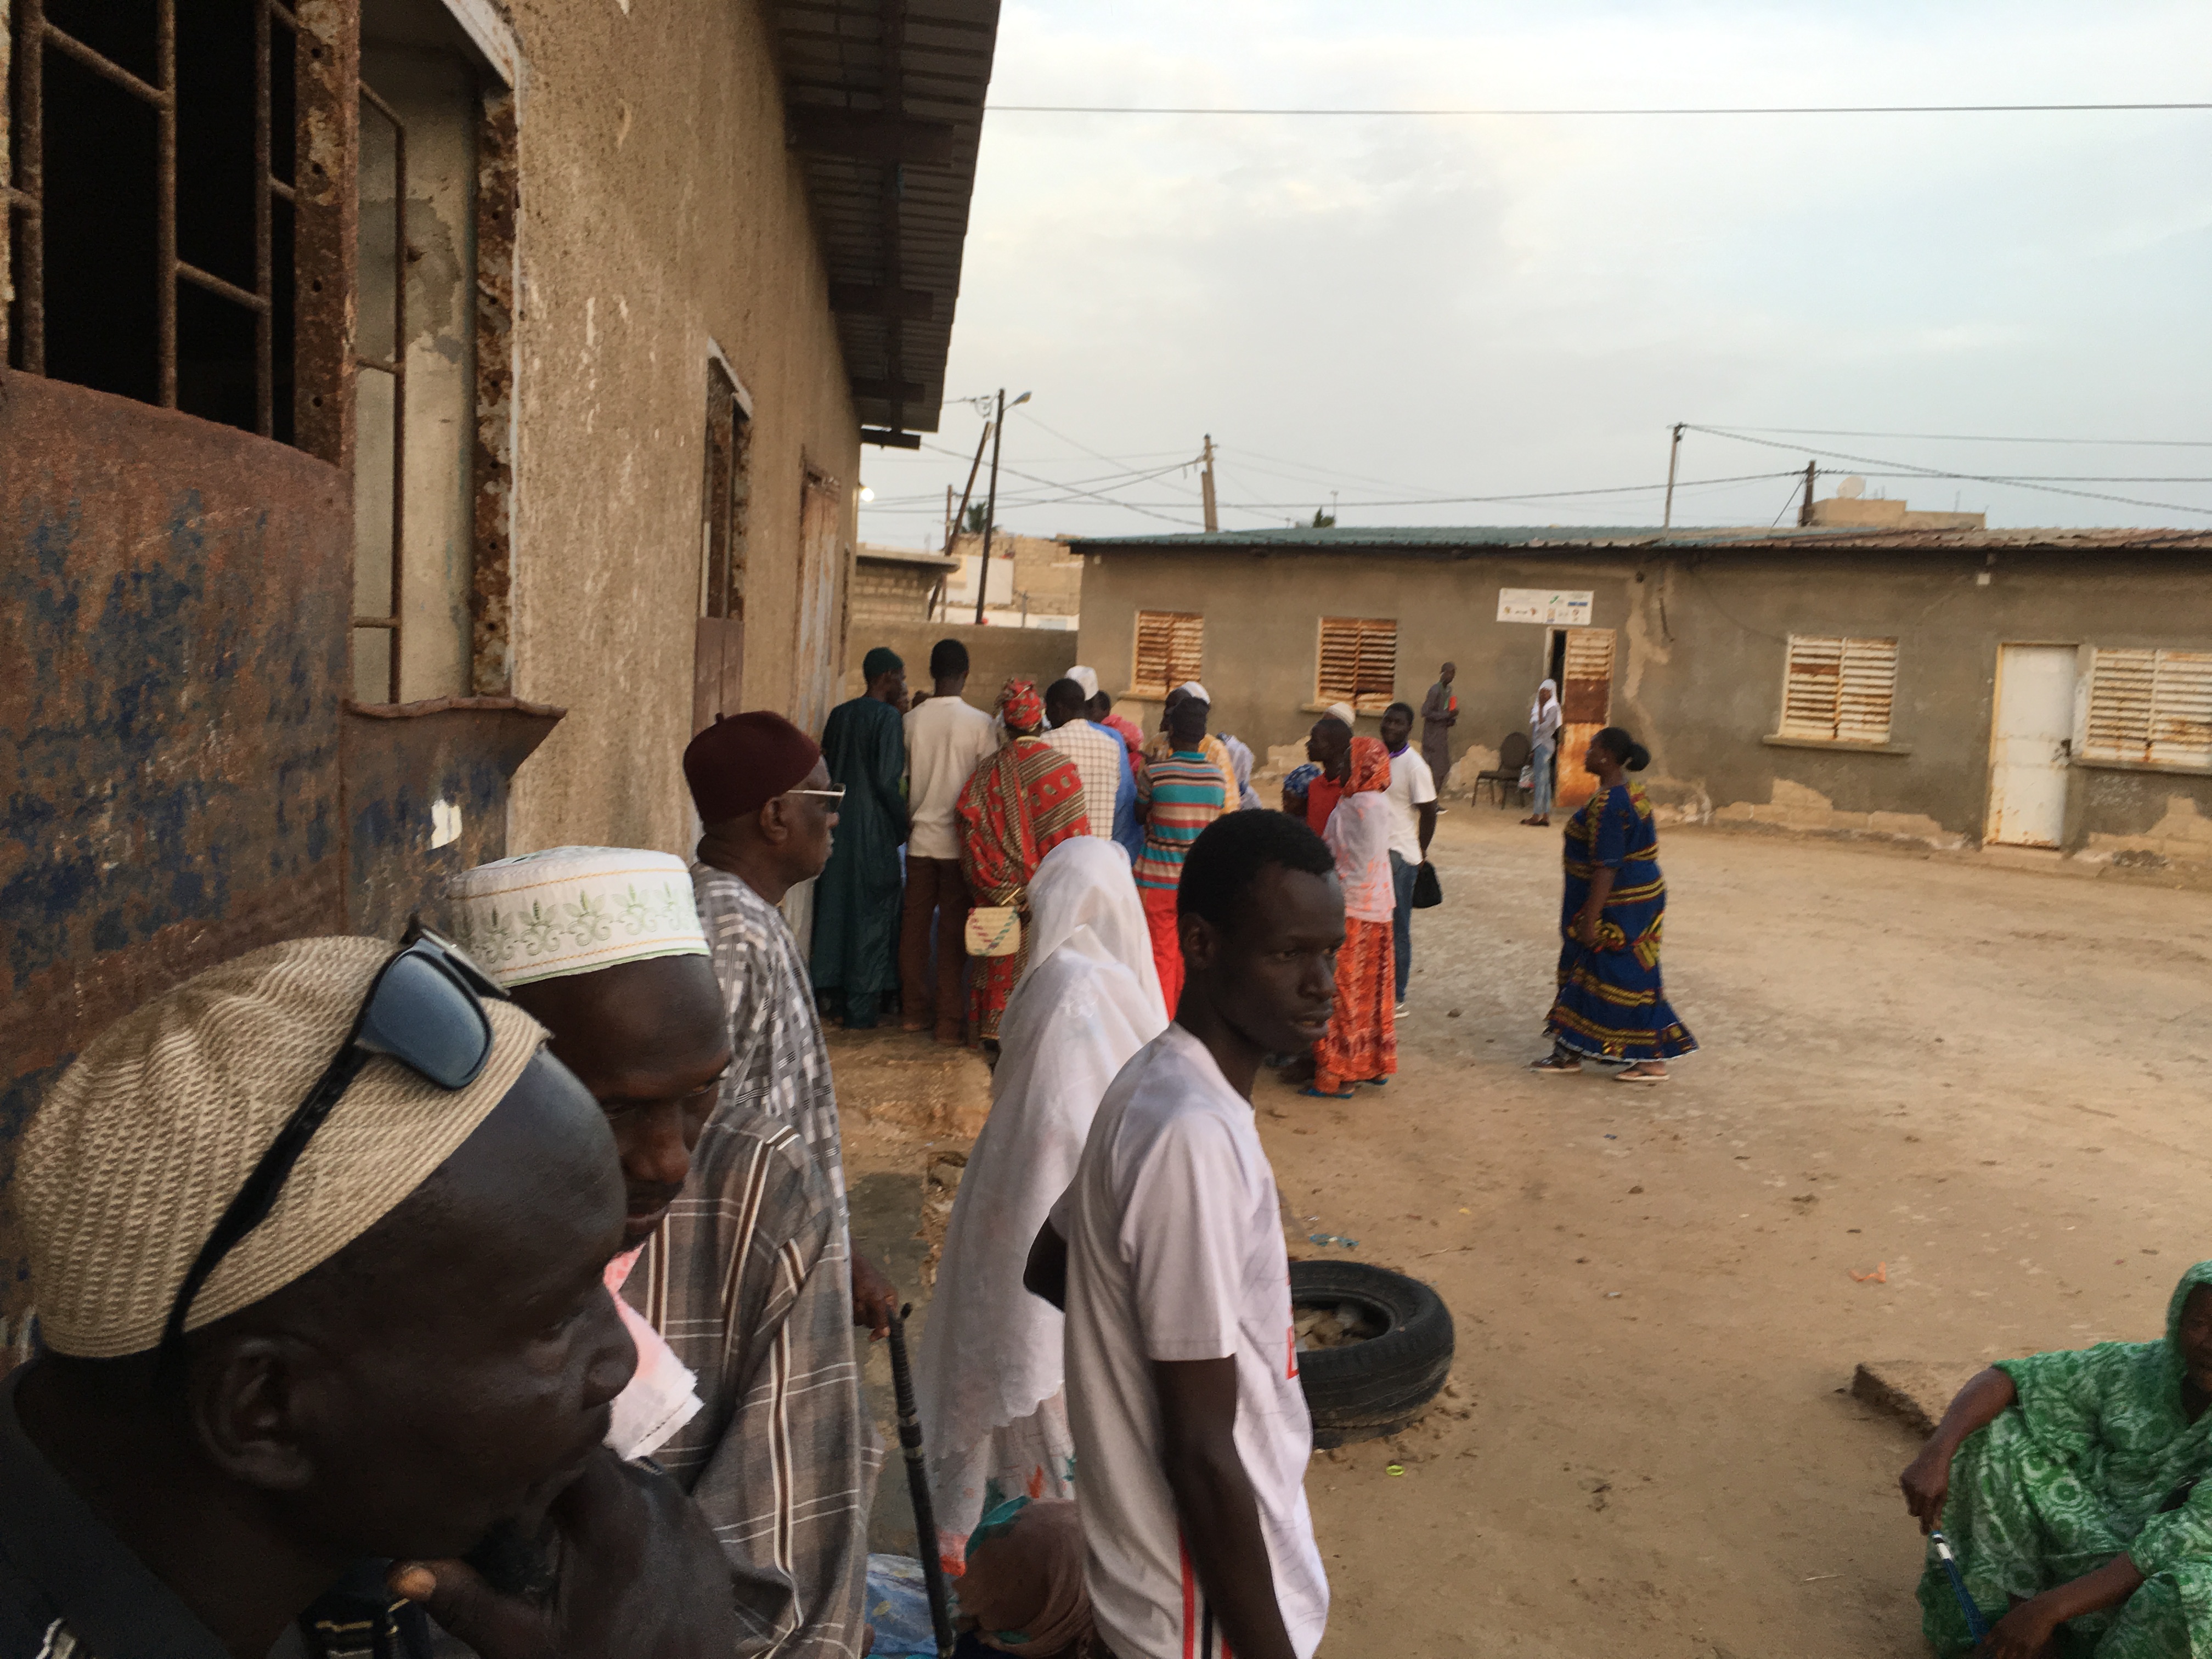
(1362, 1044)
(1017, 805)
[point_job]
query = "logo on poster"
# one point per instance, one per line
(1543, 605)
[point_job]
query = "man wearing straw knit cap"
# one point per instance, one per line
(318, 1240)
(732, 1276)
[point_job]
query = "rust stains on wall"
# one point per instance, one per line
(172, 609)
(492, 646)
(327, 212)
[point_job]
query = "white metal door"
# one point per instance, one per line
(2032, 745)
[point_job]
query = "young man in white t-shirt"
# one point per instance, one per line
(945, 739)
(1413, 798)
(1191, 1433)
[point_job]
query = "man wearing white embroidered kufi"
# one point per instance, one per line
(733, 1276)
(989, 1375)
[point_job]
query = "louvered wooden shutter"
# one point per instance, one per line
(2153, 707)
(1838, 690)
(1357, 662)
(1171, 649)
(1586, 696)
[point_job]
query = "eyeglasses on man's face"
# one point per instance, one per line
(834, 795)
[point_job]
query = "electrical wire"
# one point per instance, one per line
(1089, 494)
(1907, 470)
(1749, 109)
(1972, 438)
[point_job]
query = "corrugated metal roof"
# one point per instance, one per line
(885, 98)
(1442, 540)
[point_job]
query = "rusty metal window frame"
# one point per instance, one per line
(26, 199)
(392, 622)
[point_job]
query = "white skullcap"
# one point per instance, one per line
(1342, 711)
(1194, 690)
(573, 910)
(1085, 677)
(125, 1169)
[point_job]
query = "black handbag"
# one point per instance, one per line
(1428, 891)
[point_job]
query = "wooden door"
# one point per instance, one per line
(717, 651)
(818, 658)
(1585, 709)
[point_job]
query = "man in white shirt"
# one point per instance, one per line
(1191, 1433)
(1413, 798)
(945, 739)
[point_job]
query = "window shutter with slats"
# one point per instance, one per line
(1171, 649)
(1357, 662)
(1836, 690)
(2151, 708)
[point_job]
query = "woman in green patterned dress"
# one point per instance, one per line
(2068, 1486)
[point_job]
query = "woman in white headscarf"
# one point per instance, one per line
(989, 1378)
(1544, 717)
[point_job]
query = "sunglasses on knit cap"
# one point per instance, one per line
(425, 1009)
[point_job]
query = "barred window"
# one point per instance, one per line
(1838, 690)
(1357, 662)
(1171, 649)
(2151, 708)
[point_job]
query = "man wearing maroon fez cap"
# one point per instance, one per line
(768, 805)
(743, 761)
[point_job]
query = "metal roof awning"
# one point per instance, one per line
(884, 99)
(1446, 541)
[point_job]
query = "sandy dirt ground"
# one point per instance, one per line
(1988, 1081)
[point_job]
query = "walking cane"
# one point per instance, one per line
(917, 1481)
(1977, 1626)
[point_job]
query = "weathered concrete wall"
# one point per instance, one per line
(1700, 647)
(173, 617)
(890, 594)
(660, 209)
(995, 655)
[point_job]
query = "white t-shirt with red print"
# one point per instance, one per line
(1175, 1252)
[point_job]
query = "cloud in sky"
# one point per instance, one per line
(1442, 305)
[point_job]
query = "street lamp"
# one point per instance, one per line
(991, 510)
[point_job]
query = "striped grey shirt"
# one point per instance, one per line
(747, 1278)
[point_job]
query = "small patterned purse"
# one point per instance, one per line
(993, 930)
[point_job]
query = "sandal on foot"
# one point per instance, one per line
(1635, 1075)
(1552, 1066)
(1323, 1094)
(1375, 1082)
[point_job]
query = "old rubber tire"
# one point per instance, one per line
(1367, 1389)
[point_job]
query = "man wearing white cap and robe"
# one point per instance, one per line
(1100, 709)
(731, 1276)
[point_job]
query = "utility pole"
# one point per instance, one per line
(1206, 484)
(990, 511)
(1805, 512)
(1674, 454)
(948, 515)
(952, 530)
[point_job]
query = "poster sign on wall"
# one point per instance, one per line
(1543, 605)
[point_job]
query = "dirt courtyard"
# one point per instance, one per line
(1986, 1079)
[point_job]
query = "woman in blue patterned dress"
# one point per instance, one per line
(1610, 1005)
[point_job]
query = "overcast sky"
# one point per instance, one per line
(1435, 307)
